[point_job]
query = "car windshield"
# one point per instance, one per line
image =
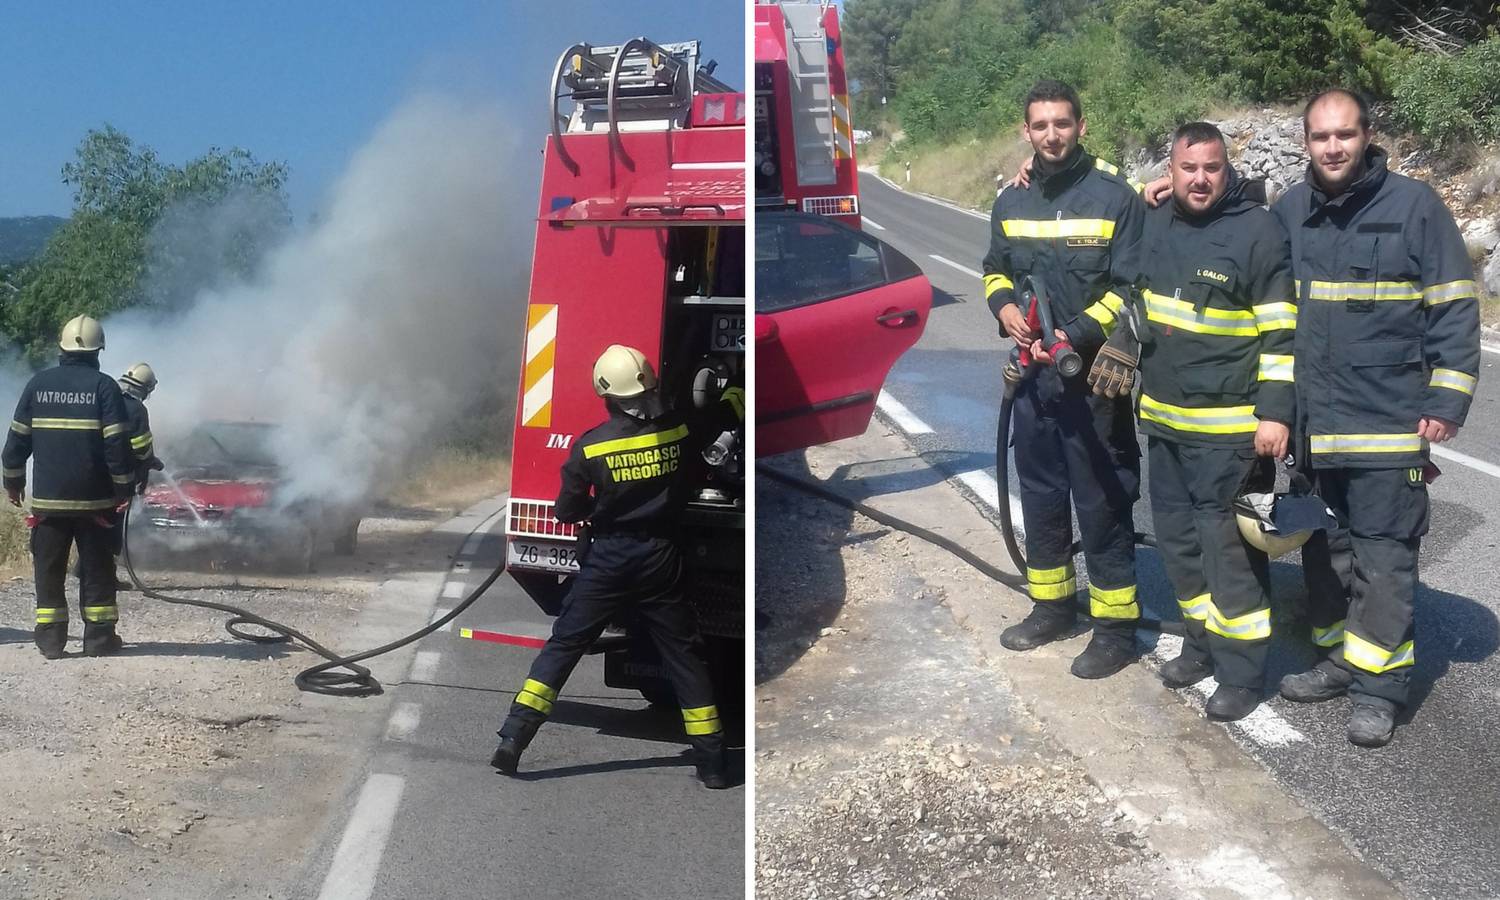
(228, 445)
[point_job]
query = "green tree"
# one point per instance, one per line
(870, 30)
(105, 258)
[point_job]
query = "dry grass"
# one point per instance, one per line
(1489, 310)
(15, 543)
(453, 480)
(964, 173)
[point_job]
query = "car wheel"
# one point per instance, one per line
(346, 543)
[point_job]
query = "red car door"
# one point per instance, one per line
(834, 309)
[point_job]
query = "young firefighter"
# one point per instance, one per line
(1075, 229)
(628, 479)
(1217, 395)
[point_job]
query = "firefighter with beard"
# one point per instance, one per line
(1217, 402)
(1074, 229)
(627, 478)
(71, 423)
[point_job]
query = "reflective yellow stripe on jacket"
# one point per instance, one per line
(1207, 420)
(638, 442)
(1275, 367)
(1454, 380)
(1060, 583)
(1366, 443)
(1372, 657)
(1176, 313)
(1058, 228)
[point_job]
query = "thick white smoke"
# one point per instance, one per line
(369, 333)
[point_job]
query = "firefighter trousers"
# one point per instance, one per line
(1077, 451)
(621, 574)
(51, 540)
(1222, 584)
(1362, 576)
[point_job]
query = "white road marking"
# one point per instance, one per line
(1465, 459)
(928, 197)
(438, 614)
(424, 665)
(452, 590)
(404, 721)
(471, 546)
(901, 415)
(988, 489)
(1489, 348)
(357, 860)
(461, 568)
(871, 223)
(1265, 726)
(962, 268)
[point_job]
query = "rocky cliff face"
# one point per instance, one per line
(1268, 144)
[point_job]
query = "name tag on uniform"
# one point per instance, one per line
(1214, 276)
(1088, 242)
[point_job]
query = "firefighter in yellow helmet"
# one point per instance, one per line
(627, 479)
(70, 422)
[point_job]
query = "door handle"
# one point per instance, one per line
(893, 319)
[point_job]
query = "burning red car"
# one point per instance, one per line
(225, 495)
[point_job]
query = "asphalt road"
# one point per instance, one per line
(1426, 809)
(606, 805)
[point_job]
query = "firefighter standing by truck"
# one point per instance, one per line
(1075, 230)
(1387, 361)
(71, 422)
(1217, 398)
(627, 478)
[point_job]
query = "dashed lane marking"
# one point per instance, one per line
(1465, 459)
(962, 268)
(471, 546)
(453, 590)
(871, 223)
(1489, 348)
(438, 614)
(424, 665)
(357, 860)
(403, 722)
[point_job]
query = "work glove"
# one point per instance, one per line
(157, 465)
(1113, 372)
(15, 492)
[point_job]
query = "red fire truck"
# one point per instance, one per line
(640, 240)
(804, 139)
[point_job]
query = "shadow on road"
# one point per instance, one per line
(681, 760)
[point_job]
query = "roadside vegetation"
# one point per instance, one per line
(953, 72)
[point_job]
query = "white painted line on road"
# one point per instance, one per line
(1465, 459)
(453, 590)
(964, 269)
(1264, 726)
(901, 415)
(438, 614)
(871, 223)
(471, 546)
(1489, 348)
(424, 665)
(404, 721)
(988, 489)
(928, 197)
(460, 568)
(357, 860)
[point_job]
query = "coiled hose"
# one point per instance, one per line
(356, 681)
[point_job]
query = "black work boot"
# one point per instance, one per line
(1372, 721)
(711, 761)
(1042, 625)
(103, 645)
(1111, 649)
(51, 639)
(1230, 704)
(1323, 681)
(515, 737)
(1189, 668)
(507, 756)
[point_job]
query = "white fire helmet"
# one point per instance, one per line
(82, 334)
(139, 380)
(622, 372)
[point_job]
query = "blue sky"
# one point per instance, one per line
(301, 82)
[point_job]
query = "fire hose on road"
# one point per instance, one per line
(323, 678)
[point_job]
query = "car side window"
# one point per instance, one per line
(803, 259)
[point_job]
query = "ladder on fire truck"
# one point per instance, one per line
(815, 111)
(635, 85)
